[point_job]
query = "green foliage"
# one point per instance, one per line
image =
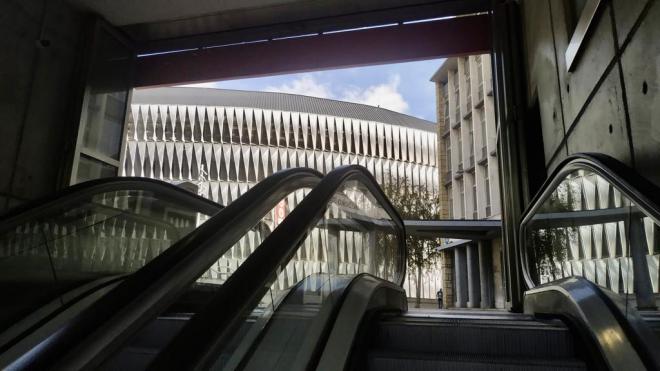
(548, 244)
(416, 203)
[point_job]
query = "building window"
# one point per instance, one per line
(487, 191)
(484, 137)
(445, 95)
(461, 200)
(460, 149)
(474, 199)
(480, 78)
(468, 86)
(457, 101)
(448, 146)
(450, 204)
(470, 144)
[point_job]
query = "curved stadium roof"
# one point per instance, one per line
(277, 101)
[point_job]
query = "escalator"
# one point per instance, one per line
(140, 271)
(323, 291)
(337, 318)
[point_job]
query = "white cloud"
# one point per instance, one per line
(305, 85)
(385, 95)
(382, 95)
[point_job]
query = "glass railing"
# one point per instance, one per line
(599, 220)
(344, 227)
(190, 270)
(55, 249)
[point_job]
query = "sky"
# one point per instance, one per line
(401, 87)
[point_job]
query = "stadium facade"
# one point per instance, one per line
(225, 141)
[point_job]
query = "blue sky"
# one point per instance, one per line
(401, 87)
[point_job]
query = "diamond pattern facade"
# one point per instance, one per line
(232, 148)
(227, 145)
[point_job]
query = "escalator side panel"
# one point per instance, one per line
(584, 304)
(366, 294)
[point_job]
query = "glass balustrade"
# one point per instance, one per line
(356, 235)
(51, 254)
(587, 226)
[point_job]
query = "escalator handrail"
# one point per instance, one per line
(81, 191)
(638, 189)
(623, 341)
(102, 327)
(195, 345)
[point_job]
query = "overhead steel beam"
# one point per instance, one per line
(462, 229)
(400, 43)
(291, 19)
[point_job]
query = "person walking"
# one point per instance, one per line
(439, 297)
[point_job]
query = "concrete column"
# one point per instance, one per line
(333, 250)
(642, 279)
(474, 292)
(460, 277)
(447, 258)
(486, 274)
(498, 275)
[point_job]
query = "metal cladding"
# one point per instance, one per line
(228, 148)
(225, 141)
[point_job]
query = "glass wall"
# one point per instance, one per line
(106, 96)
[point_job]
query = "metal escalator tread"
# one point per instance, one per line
(381, 360)
(652, 318)
(148, 342)
(488, 337)
(451, 341)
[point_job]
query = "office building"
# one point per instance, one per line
(468, 176)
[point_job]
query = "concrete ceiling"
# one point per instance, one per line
(162, 25)
(130, 12)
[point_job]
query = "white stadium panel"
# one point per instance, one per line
(373, 143)
(364, 132)
(419, 158)
(380, 139)
(227, 146)
(297, 130)
(347, 140)
(322, 130)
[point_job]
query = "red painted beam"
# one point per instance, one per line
(403, 43)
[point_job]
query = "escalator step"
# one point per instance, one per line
(401, 361)
(495, 338)
(158, 332)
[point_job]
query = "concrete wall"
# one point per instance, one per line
(609, 103)
(40, 44)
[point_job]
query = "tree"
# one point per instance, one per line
(416, 203)
(549, 243)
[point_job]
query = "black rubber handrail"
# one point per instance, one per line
(103, 327)
(638, 189)
(82, 191)
(196, 345)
